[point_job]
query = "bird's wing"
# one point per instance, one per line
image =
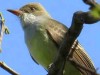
(57, 32)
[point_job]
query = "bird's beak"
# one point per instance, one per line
(16, 12)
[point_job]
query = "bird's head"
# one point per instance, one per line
(33, 8)
(29, 13)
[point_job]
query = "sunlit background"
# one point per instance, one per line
(14, 51)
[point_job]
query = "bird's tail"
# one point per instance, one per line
(82, 61)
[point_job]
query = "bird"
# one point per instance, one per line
(43, 37)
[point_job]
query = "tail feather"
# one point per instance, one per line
(81, 57)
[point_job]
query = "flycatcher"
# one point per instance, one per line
(43, 36)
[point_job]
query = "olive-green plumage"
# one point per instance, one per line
(43, 36)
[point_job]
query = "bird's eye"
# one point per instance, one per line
(32, 8)
(26, 11)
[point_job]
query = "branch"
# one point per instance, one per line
(8, 69)
(79, 18)
(2, 29)
(5, 30)
(91, 3)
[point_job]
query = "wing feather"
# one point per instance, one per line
(56, 31)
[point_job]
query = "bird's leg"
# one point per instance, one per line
(56, 70)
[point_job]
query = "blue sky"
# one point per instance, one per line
(15, 53)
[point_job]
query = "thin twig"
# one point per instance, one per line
(8, 69)
(3, 28)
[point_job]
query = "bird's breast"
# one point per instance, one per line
(41, 48)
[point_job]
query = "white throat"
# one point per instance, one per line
(33, 24)
(30, 19)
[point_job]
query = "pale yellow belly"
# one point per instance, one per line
(43, 51)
